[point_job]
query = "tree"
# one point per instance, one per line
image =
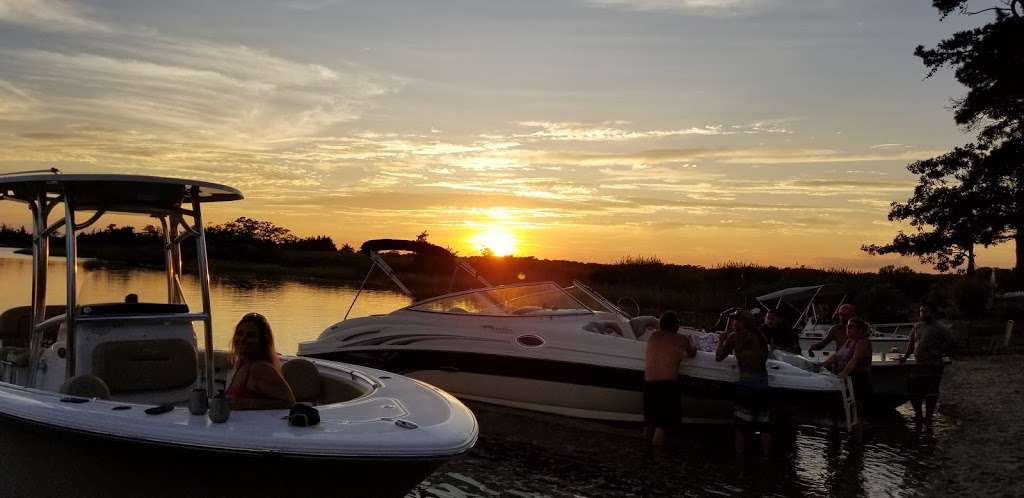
(252, 231)
(989, 61)
(953, 210)
(422, 237)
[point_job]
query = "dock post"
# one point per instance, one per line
(1009, 334)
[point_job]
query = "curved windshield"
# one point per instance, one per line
(530, 300)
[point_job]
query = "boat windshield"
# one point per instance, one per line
(519, 300)
(589, 301)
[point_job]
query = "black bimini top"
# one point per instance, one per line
(415, 246)
(117, 193)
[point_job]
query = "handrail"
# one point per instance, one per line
(174, 317)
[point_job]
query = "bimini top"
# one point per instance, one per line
(110, 192)
(425, 248)
(801, 293)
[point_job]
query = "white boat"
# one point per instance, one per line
(94, 397)
(539, 346)
(815, 319)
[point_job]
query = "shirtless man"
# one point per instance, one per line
(662, 395)
(838, 331)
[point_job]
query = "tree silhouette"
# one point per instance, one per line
(973, 194)
(953, 209)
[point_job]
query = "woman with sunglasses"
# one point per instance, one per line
(257, 383)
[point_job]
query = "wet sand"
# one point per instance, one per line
(984, 454)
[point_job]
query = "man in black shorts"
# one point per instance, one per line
(929, 342)
(662, 395)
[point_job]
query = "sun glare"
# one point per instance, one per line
(498, 242)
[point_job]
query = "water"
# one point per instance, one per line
(524, 454)
(297, 311)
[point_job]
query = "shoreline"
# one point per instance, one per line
(984, 455)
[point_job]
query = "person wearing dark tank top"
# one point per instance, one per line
(257, 383)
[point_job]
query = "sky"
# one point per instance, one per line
(698, 131)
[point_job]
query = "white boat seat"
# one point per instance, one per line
(641, 324)
(86, 386)
(604, 327)
(145, 365)
(304, 379)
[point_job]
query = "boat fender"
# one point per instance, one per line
(303, 415)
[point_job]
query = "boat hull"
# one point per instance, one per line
(48, 460)
(572, 389)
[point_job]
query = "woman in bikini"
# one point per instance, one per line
(257, 383)
(853, 359)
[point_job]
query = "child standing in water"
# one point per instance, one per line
(662, 394)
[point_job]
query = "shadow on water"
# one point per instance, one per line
(534, 455)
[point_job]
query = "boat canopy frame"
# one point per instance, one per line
(176, 203)
(373, 248)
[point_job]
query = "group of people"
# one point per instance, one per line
(752, 343)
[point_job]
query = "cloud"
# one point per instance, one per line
(698, 7)
(613, 131)
(604, 132)
(50, 15)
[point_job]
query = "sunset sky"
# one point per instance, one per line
(699, 131)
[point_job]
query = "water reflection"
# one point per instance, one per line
(524, 454)
(298, 311)
(534, 455)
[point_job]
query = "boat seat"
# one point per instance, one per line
(604, 327)
(86, 386)
(641, 324)
(16, 324)
(145, 365)
(304, 379)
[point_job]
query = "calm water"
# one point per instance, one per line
(523, 454)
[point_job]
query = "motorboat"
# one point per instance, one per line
(889, 375)
(540, 346)
(814, 319)
(102, 399)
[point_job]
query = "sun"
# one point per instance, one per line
(498, 242)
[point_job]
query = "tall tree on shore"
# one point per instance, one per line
(989, 61)
(952, 211)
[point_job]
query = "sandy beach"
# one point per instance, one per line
(984, 456)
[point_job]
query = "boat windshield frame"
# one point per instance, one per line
(581, 309)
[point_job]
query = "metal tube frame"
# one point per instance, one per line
(42, 206)
(71, 255)
(204, 285)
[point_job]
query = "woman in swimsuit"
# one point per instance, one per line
(854, 360)
(257, 383)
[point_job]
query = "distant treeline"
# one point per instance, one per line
(643, 285)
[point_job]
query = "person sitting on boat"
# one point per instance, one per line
(837, 333)
(662, 393)
(779, 334)
(853, 359)
(929, 341)
(257, 383)
(751, 411)
(131, 298)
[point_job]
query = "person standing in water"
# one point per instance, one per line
(779, 334)
(837, 333)
(662, 394)
(929, 341)
(853, 359)
(751, 412)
